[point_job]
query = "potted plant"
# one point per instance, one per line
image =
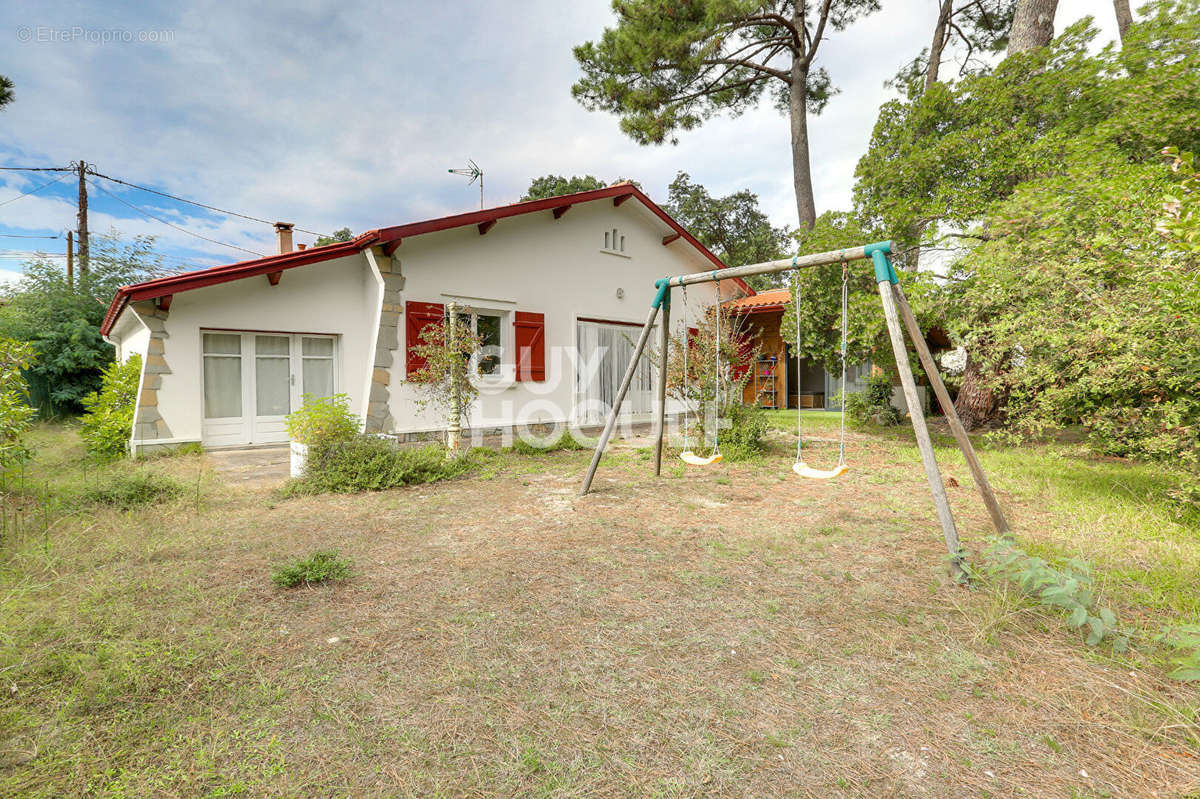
(319, 419)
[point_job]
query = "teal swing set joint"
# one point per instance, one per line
(877, 252)
(663, 295)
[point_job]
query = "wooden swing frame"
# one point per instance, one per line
(895, 310)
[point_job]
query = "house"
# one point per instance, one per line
(556, 288)
(776, 380)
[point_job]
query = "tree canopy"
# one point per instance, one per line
(978, 26)
(62, 319)
(668, 66)
(733, 226)
(338, 236)
(936, 162)
(555, 185)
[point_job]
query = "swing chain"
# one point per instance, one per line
(845, 314)
(687, 345)
(799, 370)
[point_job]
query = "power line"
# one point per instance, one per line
(35, 191)
(193, 202)
(38, 168)
(21, 236)
(146, 213)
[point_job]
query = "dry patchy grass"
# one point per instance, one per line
(723, 632)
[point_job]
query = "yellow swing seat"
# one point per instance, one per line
(804, 470)
(687, 456)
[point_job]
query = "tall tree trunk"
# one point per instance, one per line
(977, 404)
(1032, 25)
(939, 43)
(1124, 17)
(806, 205)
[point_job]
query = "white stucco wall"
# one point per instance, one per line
(554, 267)
(337, 297)
(530, 263)
(130, 337)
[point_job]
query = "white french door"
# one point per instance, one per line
(252, 381)
(603, 353)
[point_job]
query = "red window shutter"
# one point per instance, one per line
(418, 316)
(530, 330)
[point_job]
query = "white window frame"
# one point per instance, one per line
(506, 373)
(250, 427)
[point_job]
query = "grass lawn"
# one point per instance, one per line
(722, 631)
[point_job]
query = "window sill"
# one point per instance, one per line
(494, 382)
(614, 252)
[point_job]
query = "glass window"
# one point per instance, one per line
(222, 386)
(272, 375)
(271, 345)
(222, 343)
(487, 327)
(272, 384)
(316, 347)
(318, 377)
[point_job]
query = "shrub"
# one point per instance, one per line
(1068, 588)
(107, 424)
(1185, 498)
(61, 319)
(319, 567)
(128, 490)
(16, 414)
(448, 354)
(321, 419)
(873, 404)
(368, 463)
(566, 441)
(744, 438)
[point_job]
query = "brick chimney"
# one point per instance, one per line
(283, 233)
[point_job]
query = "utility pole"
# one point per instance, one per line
(70, 259)
(83, 217)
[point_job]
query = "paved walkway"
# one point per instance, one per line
(257, 467)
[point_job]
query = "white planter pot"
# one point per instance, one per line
(299, 459)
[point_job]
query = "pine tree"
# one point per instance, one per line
(669, 65)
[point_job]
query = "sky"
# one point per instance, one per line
(348, 113)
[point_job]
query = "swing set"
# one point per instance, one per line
(895, 309)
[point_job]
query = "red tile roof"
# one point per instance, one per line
(162, 287)
(764, 301)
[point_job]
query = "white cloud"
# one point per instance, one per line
(349, 112)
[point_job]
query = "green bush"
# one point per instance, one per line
(107, 424)
(566, 441)
(16, 414)
(873, 404)
(128, 490)
(321, 419)
(1068, 588)
(368, 463)
(61, 319)
(744, 438)
(319, 567)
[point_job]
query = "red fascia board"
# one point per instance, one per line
(152, 289)
(274, 263)
(625, 190)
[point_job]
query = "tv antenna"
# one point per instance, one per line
(474, 173)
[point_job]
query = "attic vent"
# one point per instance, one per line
(614, 241)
